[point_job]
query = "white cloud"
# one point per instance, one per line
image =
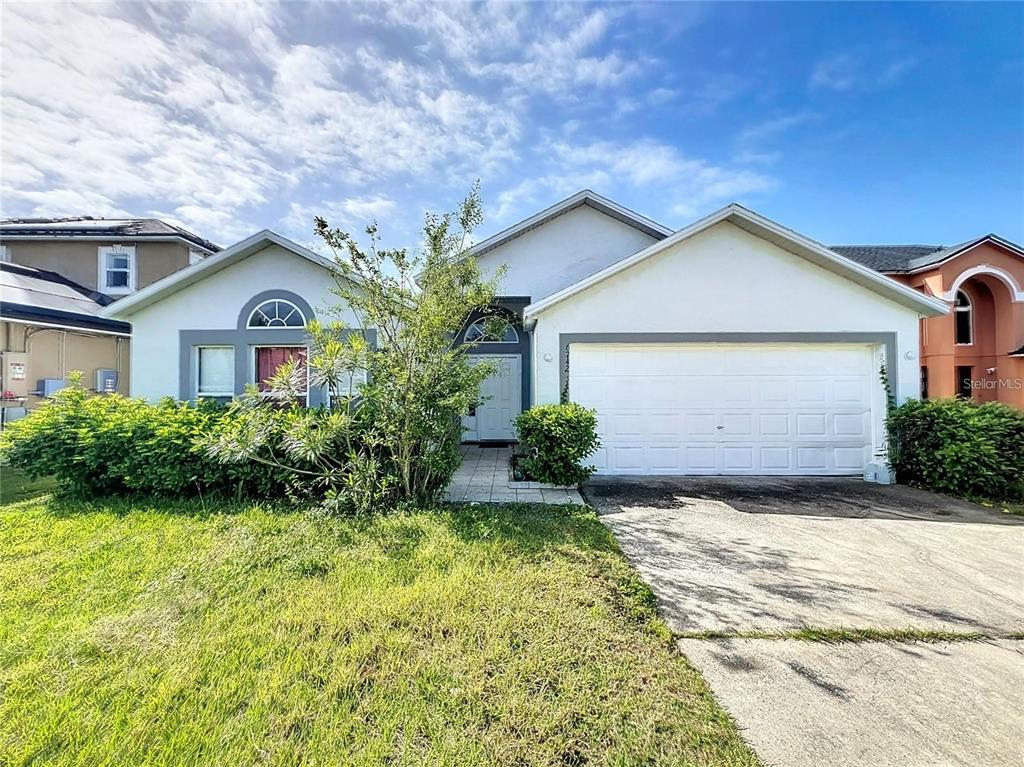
(859, 70)
(753, 143)
(352, 213)
(102, 112)
(680, 185)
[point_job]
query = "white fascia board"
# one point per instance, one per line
(800, 245)
(208, 266)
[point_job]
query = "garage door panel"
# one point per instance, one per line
(775, 425)
(775, 458)
(700, 425)
(848, 425)
(736, 426)
(701, 458)
(733, 409)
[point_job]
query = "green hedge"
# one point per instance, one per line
(110, 445)
(959, 447)
(554, 440)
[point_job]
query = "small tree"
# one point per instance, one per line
(394, 437)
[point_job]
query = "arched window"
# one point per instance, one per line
(276, 313)
(478, 332)
(964, 319)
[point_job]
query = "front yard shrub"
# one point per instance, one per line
(99, 446)
(959, 447)
(392, 440)
(555, 440)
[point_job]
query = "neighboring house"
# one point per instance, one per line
(72, 258)
(731, 346)
(113, 256)
(228, 320)
(50, 326)
(977, 350)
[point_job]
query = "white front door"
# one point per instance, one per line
(727, 408)
(501, 400)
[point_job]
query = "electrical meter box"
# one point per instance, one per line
(106, 380)
(14, 374)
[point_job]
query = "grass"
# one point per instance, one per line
(16, 486)
(841, 635)
(188, 635)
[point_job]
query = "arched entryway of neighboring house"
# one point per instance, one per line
(504, 394)
(987, 318)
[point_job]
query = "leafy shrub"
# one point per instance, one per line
(554, 440)
(112, 445)
(959, 447)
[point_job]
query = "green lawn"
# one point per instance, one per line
(15, 486)
(218, 635)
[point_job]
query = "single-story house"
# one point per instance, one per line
(731, 346)
(228, 320)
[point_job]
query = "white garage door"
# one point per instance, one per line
(727, 409)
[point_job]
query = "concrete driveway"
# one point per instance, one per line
(763, 554)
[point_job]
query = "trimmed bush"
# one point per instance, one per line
(959, 447)
(554, 440)
(110, 445)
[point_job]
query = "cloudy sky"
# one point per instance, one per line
(851, 123)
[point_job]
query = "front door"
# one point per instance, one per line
(500, 401)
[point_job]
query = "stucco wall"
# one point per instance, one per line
(79, 260)
(214, 304)
(53, 353)
(724, 280)
(938, 350)
(562, 252)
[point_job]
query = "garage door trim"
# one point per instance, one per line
(888, 340)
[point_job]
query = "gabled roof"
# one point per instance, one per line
(779, 235)
(886, 258)
(584, 197)
(905, 259)
(89, 228)
(179, 280)
(43, 297)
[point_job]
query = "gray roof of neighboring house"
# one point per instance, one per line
(98, 228)
(887, 258)
(38, 295)
(909, 258)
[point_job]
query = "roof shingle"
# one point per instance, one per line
(87, 226)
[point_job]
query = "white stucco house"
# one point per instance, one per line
(731, 346)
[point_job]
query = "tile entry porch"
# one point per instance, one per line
(483, 477)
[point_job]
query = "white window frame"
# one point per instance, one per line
(482, 322)
(254, 366)
(101, 281)
(5, 255)
(250, 326)
(969, 309)
(195, 371)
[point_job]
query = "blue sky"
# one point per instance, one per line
(852, 123)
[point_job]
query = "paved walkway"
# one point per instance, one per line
(484, 477)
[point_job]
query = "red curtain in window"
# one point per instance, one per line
(270, 358)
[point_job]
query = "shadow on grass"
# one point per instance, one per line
(531, 527)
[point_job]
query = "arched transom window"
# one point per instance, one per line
(963, 317)
(277, 313)
(479, 332)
